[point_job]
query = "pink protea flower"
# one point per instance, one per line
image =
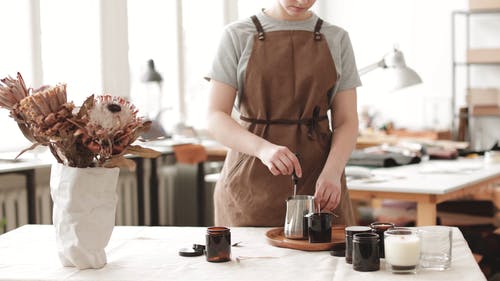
(112, 114)
(111, 125)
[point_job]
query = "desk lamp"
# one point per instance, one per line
(399, 74)
(394, 63)
(153, 80)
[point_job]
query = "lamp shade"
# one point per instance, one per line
(398, 74)
(402, 75)
(151, 75)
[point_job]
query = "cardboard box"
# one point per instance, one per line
(483, 55)
(483, 97)
(484, 4)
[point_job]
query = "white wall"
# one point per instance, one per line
(422, 30)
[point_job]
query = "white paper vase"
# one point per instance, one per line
(83, 213)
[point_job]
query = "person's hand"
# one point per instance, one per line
(328, 191)
(279, 160)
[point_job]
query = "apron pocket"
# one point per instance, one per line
(235, 167)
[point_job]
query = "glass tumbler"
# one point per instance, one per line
(436, 244)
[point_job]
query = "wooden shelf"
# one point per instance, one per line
(483, 97)
(483, 55)
(477, 12)
(481, 5)
(485, 111)
(467, 64)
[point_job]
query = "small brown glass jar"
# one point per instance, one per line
(365, 254)
(349, 232)
(218, 248)
(380, 228)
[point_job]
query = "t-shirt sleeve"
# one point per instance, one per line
(225, 63)
(349, 77)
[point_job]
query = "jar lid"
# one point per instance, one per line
(359, 237)
(196, 250)
(350, 230)
(379, 224)
(217, 230)
(198, 247)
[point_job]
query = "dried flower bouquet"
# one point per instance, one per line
(97, 134)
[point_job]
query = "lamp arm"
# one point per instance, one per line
(371, 67)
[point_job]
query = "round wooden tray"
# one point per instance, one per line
(277, 238)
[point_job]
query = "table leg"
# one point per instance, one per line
(139, 173)
(200, 185)
(426, 213)
(377, 203)
(31, 195)
(153, 193)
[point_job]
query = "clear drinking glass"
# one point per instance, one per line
(402, 250)
(435, 243)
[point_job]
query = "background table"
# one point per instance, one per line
(151, 253)
(427, 183)
(27, 169)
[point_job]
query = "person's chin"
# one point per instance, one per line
(296, 12)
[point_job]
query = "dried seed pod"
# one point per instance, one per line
(12, 91)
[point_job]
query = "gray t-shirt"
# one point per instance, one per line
(236, 44)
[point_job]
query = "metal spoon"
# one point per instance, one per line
(240, 258)
(295, 178)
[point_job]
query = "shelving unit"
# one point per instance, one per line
(482, 57)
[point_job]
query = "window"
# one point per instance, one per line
(181, 37)
(203, 22)
(182, 49)
(152, 34)
(71, 46)
(15, 56)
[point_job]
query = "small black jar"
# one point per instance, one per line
(349, 232)
(365, 252)
(218, 248)
(380, 228)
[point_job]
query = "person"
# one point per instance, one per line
(283, 69)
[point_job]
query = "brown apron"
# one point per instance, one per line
(285, 100)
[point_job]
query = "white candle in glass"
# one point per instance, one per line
(402, 250)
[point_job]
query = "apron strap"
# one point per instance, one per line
(258, 26)
(260, 30)
(317, 28)
(311, 123)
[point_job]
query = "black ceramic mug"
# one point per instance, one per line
(319, 227)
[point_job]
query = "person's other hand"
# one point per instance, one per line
(280, 160)
(328, 191)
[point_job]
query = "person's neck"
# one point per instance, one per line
(277, 12)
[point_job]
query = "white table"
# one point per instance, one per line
(151, 253)
(427, 183)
